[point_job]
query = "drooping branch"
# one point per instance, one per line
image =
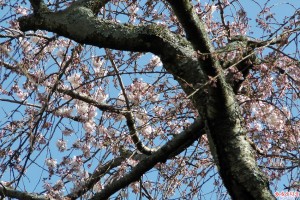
(169, 150)
(129, 116)
(135, 136)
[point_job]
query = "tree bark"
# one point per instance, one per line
(194, 66)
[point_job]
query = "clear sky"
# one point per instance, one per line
(281, 9)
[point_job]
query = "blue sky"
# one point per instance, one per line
(281, 9)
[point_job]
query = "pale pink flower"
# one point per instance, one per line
(121, 100)
(154, 97)
(82, 107)
(147, 130)
(97, 63)
(22, 95)
(41, 139)
(131, 162)
(86, 150)
(133, 8)
(67, 132)
(4, 50)
(89, 126)
(64, 111)
(21, 11)
(61, 145)
(76, 163)
(155, 61)
(51, 163)
(100, 95)
(74, 80)
(76, 144)
(70, 177)
(59, 185)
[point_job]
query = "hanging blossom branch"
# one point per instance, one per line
(39, 116)
(172, 148)
(129, 116)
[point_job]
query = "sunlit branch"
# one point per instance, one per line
(93, 5)
(135, 135)
(95, 177)
(12, 193)
(105, 33)
(100, 171)
(170, 149)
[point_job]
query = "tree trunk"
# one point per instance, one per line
(196, 69)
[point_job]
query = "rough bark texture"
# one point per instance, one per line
(236, 162)
(217, 104)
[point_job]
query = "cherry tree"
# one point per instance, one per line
(145, 99)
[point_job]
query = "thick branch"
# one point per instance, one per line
(12, 193)
(98, 173)
(170, 149)
(219, 108)
(194, 28)
(217, 105)
(38, 6)
(93, 5)
(101, 170)
(80, 24)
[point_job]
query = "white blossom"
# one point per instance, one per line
(89, 126)
(155, 61)
(100, 95)
(64, 111)
(67, 132)
(51, 163)
(82, 108)
(75, 80)
(61, 145)
(121, 100)
(97, 63)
